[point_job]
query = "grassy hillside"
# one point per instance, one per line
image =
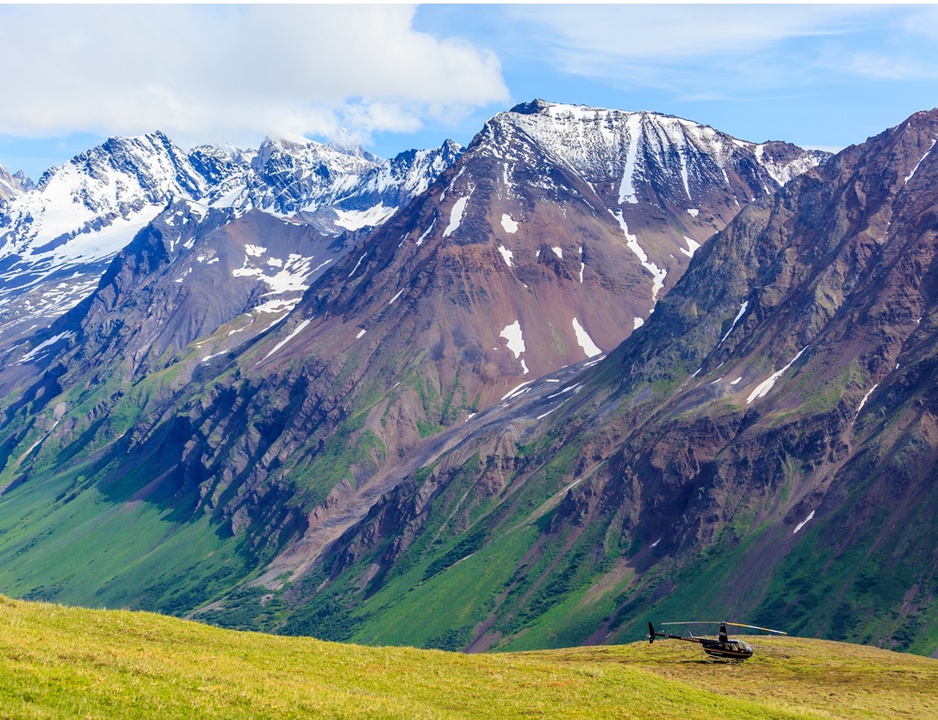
(61, 662)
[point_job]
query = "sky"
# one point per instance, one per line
(395, 77)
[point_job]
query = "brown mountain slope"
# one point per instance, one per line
(519, 261)
(766, 445)
(547, 242)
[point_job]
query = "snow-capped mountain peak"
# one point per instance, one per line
(13, 184)
(640, 149)
(84, 212)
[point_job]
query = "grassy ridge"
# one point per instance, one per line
(61, 662)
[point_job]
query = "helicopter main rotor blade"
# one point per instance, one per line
(756, 627)
(724, 622)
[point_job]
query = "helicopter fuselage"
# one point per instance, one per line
(723, 648)
(729, 650)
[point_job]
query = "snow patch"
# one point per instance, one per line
(254, 250)
(522, 388)
(692, 247)
(558, 251)
(456, 215)
(585, 341)
(509, 225)
(32, 354)
(210, 357)
(360, 333)
(763, 388)
(693, 212)
(637, 323)
(512, 333)
(506, 254)
(396, 296)
(357, 219)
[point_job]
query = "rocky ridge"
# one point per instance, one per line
(764, 446)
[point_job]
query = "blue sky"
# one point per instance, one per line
(395, 77)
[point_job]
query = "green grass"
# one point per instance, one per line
(88, 544)
(58, 662)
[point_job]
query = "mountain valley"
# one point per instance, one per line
(511, 396)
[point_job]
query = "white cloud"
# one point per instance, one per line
(701, 51)
(233, 73)
(677, 32)
(922, 21)
(890, 67)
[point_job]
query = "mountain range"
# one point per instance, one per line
(57, 238)
(512, 396)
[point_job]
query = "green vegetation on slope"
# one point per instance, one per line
(61, 662)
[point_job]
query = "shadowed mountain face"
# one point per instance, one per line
(432, 430)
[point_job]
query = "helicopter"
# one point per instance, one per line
(723, 648)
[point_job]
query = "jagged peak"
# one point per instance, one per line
(555, 110)
(287, 139)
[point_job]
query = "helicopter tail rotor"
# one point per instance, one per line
(651, 633)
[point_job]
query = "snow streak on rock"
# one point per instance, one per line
(658, 274)
(865, 398)
(927, 153)
(35, 352)
(742, 311)
(425, 233)
(763, 388)
(803, 523)
(585, 341)
(626, 187)
(299, 328)
(354, 269)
